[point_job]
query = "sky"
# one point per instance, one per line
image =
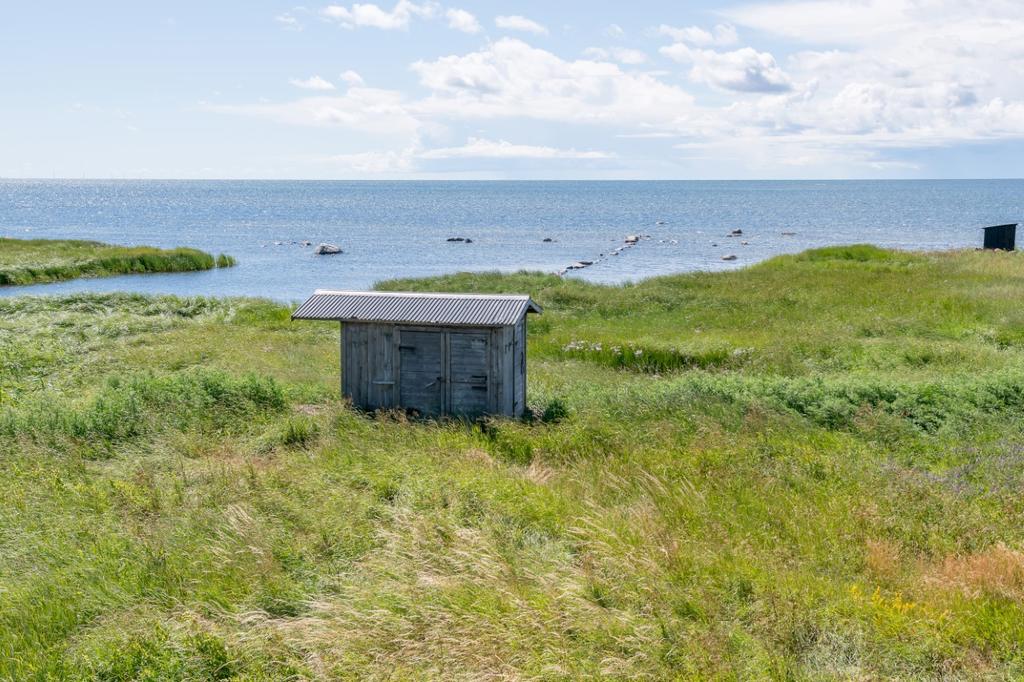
(594, 89)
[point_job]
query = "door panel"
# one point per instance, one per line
(422, 385)
(469, 354)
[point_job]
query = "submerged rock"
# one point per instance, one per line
(579, 265)
(327, 249)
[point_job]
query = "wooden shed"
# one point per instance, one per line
(437, 354)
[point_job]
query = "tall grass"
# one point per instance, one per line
(128, 407)
(811, 471)
(34, 261)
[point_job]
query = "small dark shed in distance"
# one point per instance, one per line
(1000, 236)
(438, 354)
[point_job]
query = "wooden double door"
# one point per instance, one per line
(444, 372)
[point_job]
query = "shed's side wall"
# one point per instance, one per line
(369, 372)
(519, 360)
(352, 358)
(507, 345)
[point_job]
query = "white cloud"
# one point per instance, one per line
(848, 84)
(743, 70)
(722, 34)
(373, 16)
(656, 135)
(392, 162)
(520, 23)
(834, 21)
(312, 83)
(408, 159)
(629, 56)
(478, 148)
(614, 31)
(352, 78)
(725, 34)
(461, 20)
(288, 21)
(509, 78)
(902, 72)
(623, 55)
(369, 110)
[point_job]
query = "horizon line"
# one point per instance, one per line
(4, 178)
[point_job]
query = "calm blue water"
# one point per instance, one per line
(398, 229)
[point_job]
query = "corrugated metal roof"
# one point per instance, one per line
(469, 310)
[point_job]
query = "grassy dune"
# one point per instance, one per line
(31, 261)
(807, 469)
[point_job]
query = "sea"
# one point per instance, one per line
(402, 229)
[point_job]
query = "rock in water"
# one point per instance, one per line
(735, 233)
(455, 239)
(729, 257)
(579, 265)
(547, 239)
(326, 249)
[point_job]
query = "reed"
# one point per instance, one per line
(43, 260)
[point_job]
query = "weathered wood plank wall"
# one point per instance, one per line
(436, 370)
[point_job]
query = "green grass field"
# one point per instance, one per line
(32, 261)
(808, 469)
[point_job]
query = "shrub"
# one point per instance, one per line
(554, 411)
